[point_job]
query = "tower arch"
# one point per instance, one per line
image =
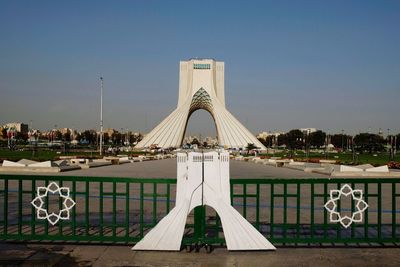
(201, 86)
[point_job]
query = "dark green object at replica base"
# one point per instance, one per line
(123, 210)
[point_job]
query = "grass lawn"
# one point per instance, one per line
(343, 158)
(43, 155)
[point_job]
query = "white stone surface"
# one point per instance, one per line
(195, 189)
(26, 162)
(43, 164)
(344, 168)
(200, 88)
(7, 163)
(383, 169)
(364, 166)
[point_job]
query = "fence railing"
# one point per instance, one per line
(123, 210)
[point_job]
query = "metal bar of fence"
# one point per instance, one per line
(141, 221)
(366, 216)
(101, 200)
(272, 191)
(19, 207)
(87, 207)
(321, 229)
(379, 210)
(298, 210)
(258, 206)
(393, 210)
(154, 204)
(33, 212)
(325, 211)
(127, 210)
(312, 211)
(114, 209)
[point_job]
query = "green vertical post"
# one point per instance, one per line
(60, 222)
(245, 201)
(366, 234)
(379, 210)
(285, 209)
(114, 208)
(393, 210)
(272, 209)
(339, 209)
(352, 226)
(46, 223)
(325, 211)
(154, 219)
(33, 210)
(101, 210)
(258, 206)
(127, 210)
(232, 194)
(312, 210)
(20, 208)
(87, 207)
(298, 211)
(199, 223)
(74, 209)
(141, 210)
(5, 206)
(168, 197)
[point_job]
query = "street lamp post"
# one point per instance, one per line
(101, 116)
(342, 140)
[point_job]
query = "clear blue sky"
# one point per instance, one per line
(289, 64)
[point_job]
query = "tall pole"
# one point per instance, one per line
(342, 140)
(101, 116)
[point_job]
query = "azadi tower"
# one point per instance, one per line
(201, 86)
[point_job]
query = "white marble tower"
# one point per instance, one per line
(201, 86)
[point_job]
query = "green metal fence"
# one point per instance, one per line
(123, 210)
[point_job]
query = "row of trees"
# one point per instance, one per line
(88, 137)
(92, 138)
(363, 142)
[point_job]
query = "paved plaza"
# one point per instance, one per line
(99, 255)
(167, 169)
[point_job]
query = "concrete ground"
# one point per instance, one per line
(92, 255)
(167, 169)
(59, 254)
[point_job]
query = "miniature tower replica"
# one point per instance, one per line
(201, 86)
(211, 188)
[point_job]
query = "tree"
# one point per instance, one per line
(89, 136)
(195, 141)
(369, 142)
(58, 135)
(339, 140)
(317, 138)
(21, 136)
(250, 146)
(4, 133)
(269, 140)
(282, 140)
(263, 141)
(67, 136)
(116, 138)
(295, 139)
(106, 138)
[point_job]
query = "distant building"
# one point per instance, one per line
(110, 132)
(19, 126)
(308, 130)
(65, 130)
(264, 135)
